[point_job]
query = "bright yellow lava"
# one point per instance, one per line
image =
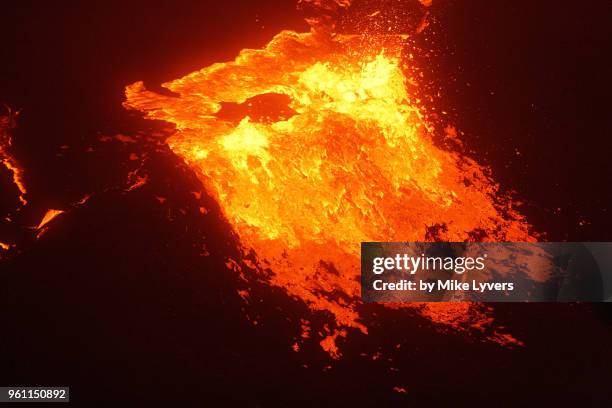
(350, 159)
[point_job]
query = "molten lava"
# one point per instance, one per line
(316, 143)
(7, 123)
(48, 217)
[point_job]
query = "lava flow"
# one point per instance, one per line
(318, 142)
(7, 123)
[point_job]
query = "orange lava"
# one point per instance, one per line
(316, 143)
(7, 122)
(48, 217)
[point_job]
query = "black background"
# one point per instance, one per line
(116, 302)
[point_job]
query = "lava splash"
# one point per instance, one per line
(318, 142)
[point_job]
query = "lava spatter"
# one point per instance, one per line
(353, 160)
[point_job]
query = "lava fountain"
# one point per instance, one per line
(318, 142)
